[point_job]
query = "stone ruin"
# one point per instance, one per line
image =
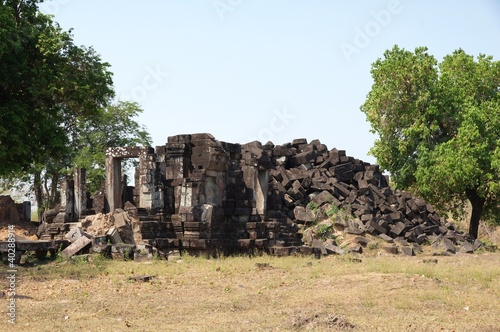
(14, 212)
(201, 195)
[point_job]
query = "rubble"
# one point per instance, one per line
(76, 247)
(201, 195)
(14, 212)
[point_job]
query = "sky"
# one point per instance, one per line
(267, 70)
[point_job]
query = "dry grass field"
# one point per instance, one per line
(263, 293)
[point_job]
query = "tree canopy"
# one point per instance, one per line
(438, 125)
(56, 108)
(116, 127)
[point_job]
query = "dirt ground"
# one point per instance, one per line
(20, 229)
(371, 292)
(335, 293)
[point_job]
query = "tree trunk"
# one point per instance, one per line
(37, 186)
(477, 203)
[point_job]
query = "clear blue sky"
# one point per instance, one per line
(266, 70)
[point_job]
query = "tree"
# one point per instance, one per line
(116, 126)
(55, 104)
(47, 85)
(438, 126)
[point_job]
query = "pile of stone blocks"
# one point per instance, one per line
(259, 197)
(201, 195)
(307, 173)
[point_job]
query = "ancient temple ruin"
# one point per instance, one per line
(198, 194)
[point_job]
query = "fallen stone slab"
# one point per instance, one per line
(448, 246)
(466, 247)
(394, 250)
(357, 249)
(73, 234)
(76, 246)
(386, 238)
(333, 249)
(323, 197)
(318, 244)
(417, 248)
(361, 240)
(113, 235)
(407, 251)
(354, 231)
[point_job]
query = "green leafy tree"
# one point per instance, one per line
(438, 126)
(55, 104)
(116, 126)
(47, 85)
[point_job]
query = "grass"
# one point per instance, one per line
(460, 293)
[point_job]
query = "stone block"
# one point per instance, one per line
(73, 235)
(448, 246)
(319, 185)
(298, 141)
(357, 249)
(280, 251)
(303, 215)
(113, 235)
(281, 150)
(367, 217)
(120, 218)
(378, 229)
(304, 157)
(396, 216)
(361, 240)
(306, 182)
(407, 250)
(397, 229)
(333, 249)
(341, 189)
(466, 247)
(76, 246)
(393, 250)
(323, 197)
(386, 237)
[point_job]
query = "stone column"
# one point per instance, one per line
(113, 183)
(70, 200)
(80, 192)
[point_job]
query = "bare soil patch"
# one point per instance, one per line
(380, 293)
(22, 228)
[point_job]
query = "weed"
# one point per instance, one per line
(313, 206)
(29, 257)
(59, 257)
(334, 210)
(373, 245)
(79, 259)
(128, 254)
(324, 231)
